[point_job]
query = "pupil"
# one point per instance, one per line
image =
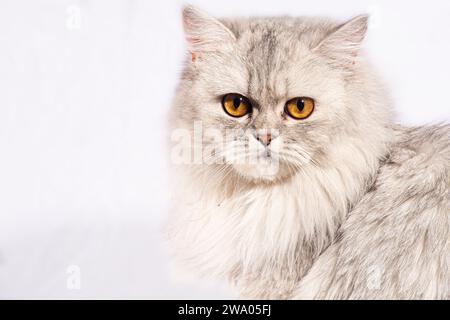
(300, 104)
(236, 102)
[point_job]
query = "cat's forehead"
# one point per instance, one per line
(270, 48)
(266, 55)
(280, 31)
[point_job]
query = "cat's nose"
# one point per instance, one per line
(264, 138)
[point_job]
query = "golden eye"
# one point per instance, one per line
(236, 105)
(299, 108)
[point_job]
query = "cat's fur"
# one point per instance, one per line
(360, 207)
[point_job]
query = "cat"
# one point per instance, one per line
(340, 202)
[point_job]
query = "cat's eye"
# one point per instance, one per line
(299, 108)
(236, 105)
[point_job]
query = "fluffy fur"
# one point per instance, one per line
(358, 208)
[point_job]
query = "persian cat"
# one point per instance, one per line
(292, 180)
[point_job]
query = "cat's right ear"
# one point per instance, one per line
(205, 33)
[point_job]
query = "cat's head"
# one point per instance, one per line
(274, 96)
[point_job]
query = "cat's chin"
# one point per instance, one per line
(262, 173)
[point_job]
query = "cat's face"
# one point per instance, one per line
(276, 90)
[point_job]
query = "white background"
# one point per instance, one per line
(84, 91)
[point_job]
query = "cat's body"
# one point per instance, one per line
(359, 208)
(395, 242)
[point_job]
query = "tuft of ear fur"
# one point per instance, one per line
(205, 33)
(342, 46)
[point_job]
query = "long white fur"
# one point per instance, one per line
(300, 234)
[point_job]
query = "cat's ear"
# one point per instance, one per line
(205, 33)
(343, 45)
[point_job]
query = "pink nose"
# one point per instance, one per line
(265, 138)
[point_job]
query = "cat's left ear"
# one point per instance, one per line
(204, 33)
(343, 45)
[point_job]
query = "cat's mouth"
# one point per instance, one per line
(267, 154)
(265, 167)
(259, 162)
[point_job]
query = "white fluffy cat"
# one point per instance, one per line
(340, 203)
